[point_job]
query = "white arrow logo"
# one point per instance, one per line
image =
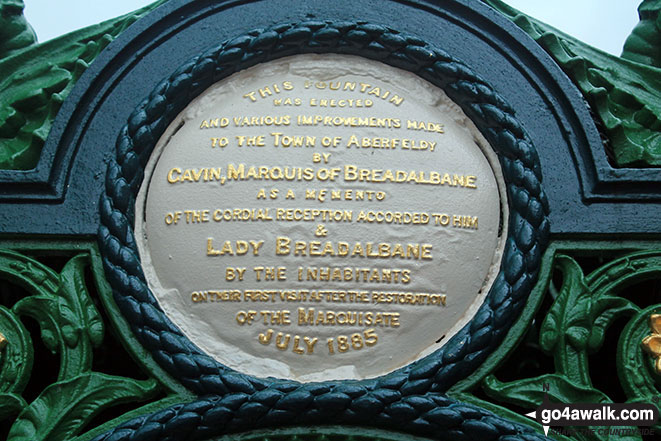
(533, 415)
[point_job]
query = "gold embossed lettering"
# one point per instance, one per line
(266, 338)
(281, 343)
(297, 349)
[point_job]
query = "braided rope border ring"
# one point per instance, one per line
(432, 416)
(528, 225)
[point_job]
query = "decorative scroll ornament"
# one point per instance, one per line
(71, 326)
(37, 78)
(622, 91)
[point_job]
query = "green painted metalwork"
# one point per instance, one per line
(15, 32)
(644, 43)
(70, 326)
(16, 361)
(623, 92)
(38, 77)
(53, 415)
(573, 329)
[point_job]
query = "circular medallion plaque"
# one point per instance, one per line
(321, 217)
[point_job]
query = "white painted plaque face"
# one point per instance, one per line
(321, 217)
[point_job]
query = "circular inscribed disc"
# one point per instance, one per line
(321, 217)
